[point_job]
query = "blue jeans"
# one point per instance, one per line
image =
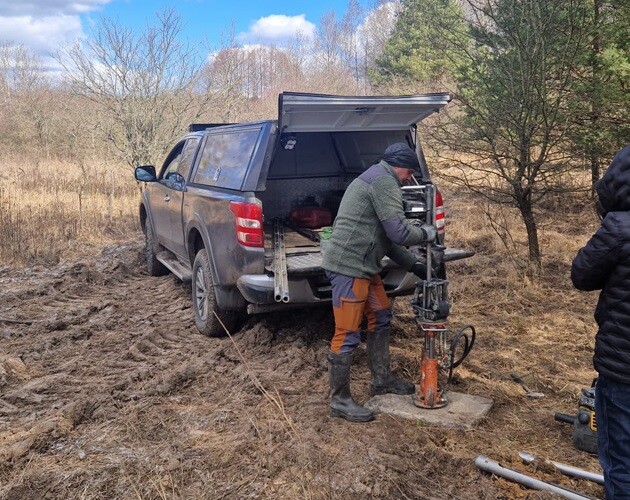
(612, 411)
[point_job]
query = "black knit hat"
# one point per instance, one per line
(401, 155)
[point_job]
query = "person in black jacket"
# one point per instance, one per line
(604, 264)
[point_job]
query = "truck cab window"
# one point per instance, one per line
(187, 157)
(172, 161)
(226, 157)
(172, 168)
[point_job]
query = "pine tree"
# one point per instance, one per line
(419, 55)
(601, 103)
(514, 87)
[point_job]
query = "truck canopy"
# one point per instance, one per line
(300, 112)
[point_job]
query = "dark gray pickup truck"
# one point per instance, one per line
(239, 209)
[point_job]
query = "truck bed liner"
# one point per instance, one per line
(303, 255)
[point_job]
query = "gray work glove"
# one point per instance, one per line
(428, 232)
(437, 258)
(419, 269)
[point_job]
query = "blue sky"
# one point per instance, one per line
(251, 19)
(45, 25)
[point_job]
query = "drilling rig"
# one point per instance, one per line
(442, 351)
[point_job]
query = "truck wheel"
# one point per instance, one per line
(151, 249)
(205, 301)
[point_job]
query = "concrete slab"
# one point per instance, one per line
(462, 412)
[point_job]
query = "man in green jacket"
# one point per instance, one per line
(370, 224)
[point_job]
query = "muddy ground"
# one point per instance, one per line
(108, 391)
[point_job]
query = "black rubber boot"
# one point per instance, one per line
(383, 380)
(341, 402)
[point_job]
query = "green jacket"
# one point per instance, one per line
(370, 224)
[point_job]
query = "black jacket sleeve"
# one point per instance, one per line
(595, 262)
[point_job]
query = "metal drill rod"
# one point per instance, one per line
(485, 464)
(568, 470)
(280, 273)
(430, 201)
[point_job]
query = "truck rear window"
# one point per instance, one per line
(225, 158)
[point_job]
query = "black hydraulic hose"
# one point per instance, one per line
(468, 345)
(469, 342)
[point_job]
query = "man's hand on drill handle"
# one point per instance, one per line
(437, 258)
(419, 269)
(429, 233)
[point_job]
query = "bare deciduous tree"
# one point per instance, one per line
(248, 78)
(145, 83)
(26, 98)
(375, 31)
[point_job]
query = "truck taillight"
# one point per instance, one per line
(439, 212)
(249, 223)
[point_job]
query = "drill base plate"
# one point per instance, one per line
(463, 411)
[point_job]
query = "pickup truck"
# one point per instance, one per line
(240, 209)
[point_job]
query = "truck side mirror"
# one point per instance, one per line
(145, 173)
(175, 180)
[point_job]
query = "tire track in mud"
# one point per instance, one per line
(116, 352)
(91, 345)
(107, 390)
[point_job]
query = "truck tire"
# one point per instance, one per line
(205, 301)
(151, 249)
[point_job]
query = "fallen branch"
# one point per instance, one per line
(20, 321)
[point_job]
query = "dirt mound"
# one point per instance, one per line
(108, 391)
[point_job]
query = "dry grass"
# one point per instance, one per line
(51, 210)
(181, 416)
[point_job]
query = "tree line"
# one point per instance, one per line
(127, 94)
(540, 88)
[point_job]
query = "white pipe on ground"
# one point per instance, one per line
(485, 464)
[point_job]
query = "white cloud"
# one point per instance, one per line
(43, 8)
(44, 34)
(277, 28)
(44, 25)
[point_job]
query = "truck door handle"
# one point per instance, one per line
(167, 198)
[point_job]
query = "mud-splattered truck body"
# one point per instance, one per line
(221, 210)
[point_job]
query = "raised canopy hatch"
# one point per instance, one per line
(298, 112)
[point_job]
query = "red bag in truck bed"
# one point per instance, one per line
(311, 217)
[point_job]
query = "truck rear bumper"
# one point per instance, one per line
(259, 288)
